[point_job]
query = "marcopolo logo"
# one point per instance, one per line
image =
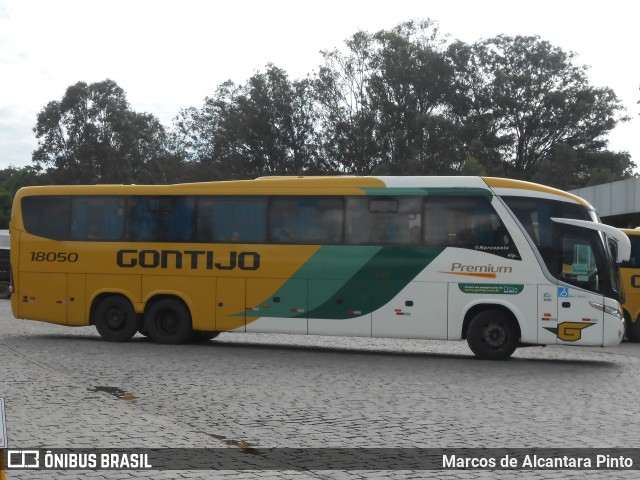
(187, 259)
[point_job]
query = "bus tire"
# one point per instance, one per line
(5, 292)
(633, 330)
(168, 321)
(492, 335)
(115, 319)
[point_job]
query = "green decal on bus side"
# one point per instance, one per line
(326, 272)
(344, 282)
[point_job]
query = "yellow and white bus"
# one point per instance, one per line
(630, 272)
(498, 262)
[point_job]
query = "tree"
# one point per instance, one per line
(408, 90)
(347, 120)
(11, 180)
(276, 130)
(265, 127)
(93, 136)
(524, 100)
(384, 103)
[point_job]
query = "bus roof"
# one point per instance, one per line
(299, 185)
(504, 186)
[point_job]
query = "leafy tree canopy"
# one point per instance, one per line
(404, 101)
(93, 136)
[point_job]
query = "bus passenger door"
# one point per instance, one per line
(230, 304)
(579, 323)
(47, 301)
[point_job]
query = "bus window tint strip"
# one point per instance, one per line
(464, 222)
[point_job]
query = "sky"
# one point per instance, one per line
(169, 55)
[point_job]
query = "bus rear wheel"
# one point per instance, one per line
(115, 319)
(168, 321)
(492, 335)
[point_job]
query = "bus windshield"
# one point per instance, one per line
(585, 259)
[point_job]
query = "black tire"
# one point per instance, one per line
(633, 330)
(168, 321)
(199, 336)
(5, 292)
(115, 319)
(492, 335)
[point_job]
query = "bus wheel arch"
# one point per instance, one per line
(114, 317)
(492, 331)
(167, 319)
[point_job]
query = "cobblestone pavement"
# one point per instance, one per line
(65, 388)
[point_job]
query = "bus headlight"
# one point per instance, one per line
(606, 309)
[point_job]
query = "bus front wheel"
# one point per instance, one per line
(492, 335)
(168, 321)
(115, 319)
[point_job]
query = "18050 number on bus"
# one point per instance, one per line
(70, 257)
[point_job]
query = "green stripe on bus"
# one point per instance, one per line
(373, 286)
(326, 272)
(345, 282)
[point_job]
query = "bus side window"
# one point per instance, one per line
(204, 219)
(248, 220)
(180, 219)
(384, 221)
(142, 219)
(97, 218)
(306, 220)
(466, 222)
(47, 216)
(231, 219)
(79, 220)
(114, 219)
